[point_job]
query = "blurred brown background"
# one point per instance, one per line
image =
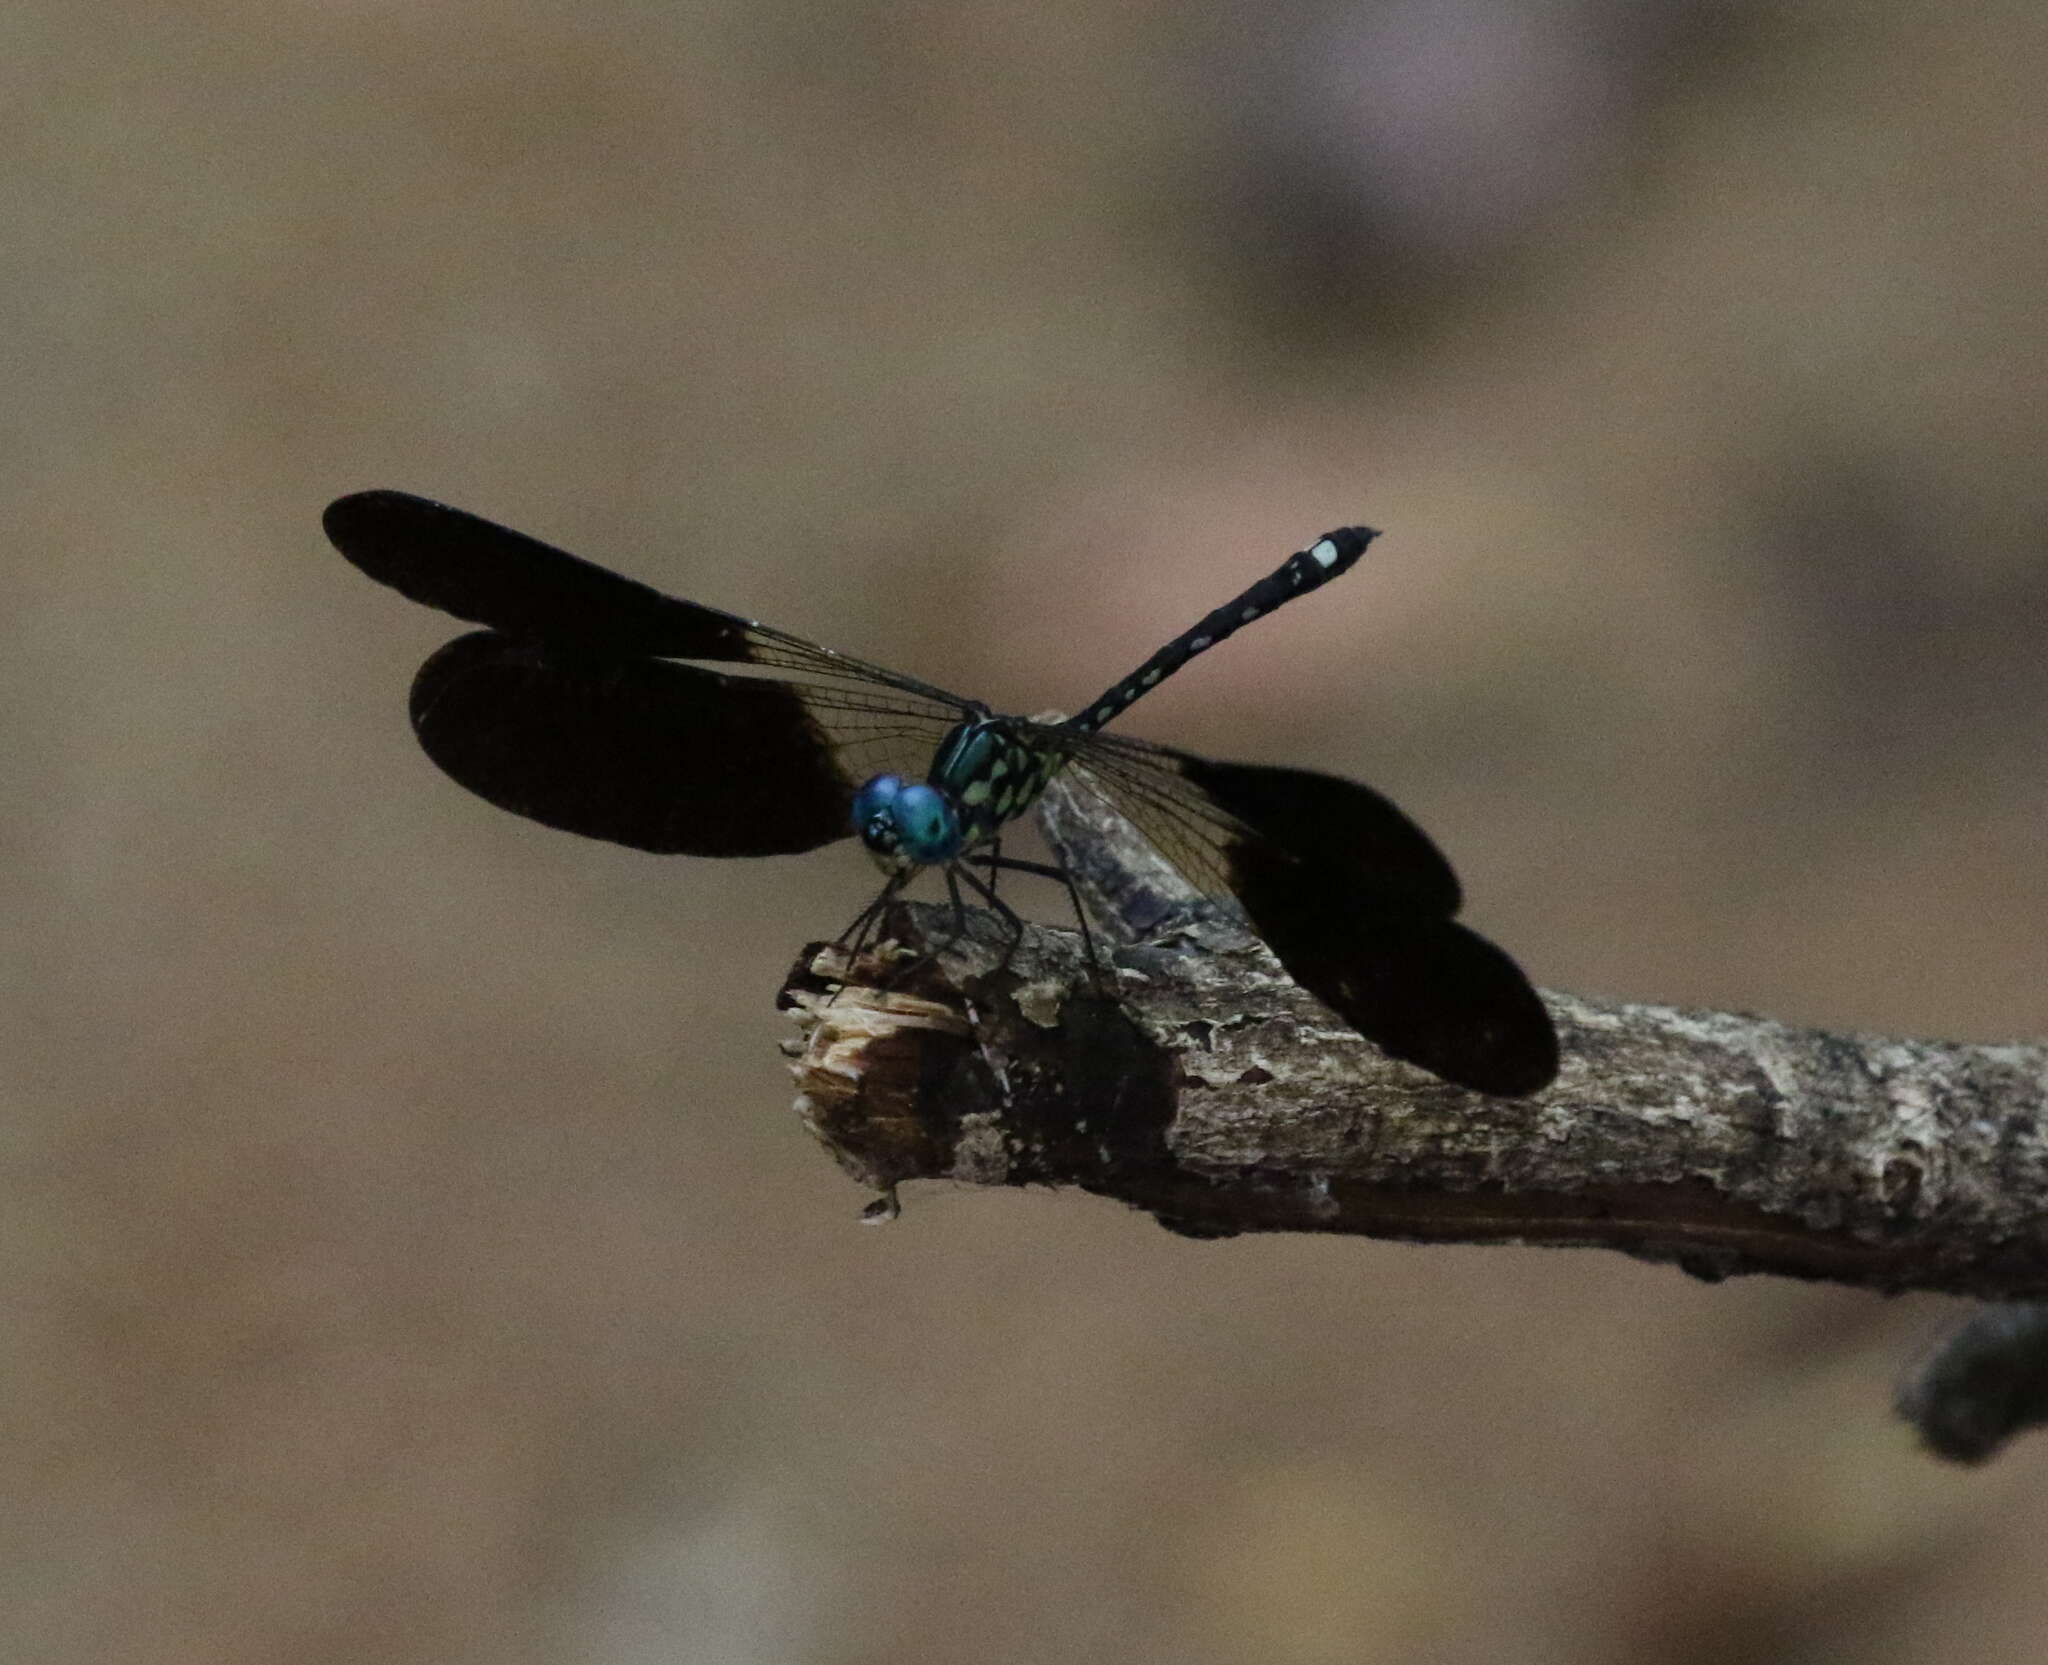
(410, 1254)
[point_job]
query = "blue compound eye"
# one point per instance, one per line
(927, 829)
(906, 821)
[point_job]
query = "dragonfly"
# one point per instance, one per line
(587, 702)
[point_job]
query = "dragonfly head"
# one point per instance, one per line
(906, 824)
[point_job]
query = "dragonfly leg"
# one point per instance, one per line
(987, 891)
(960, 927)
(959, 907)
(855, 937)
(1046, 870)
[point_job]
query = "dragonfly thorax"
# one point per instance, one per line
(981, 776)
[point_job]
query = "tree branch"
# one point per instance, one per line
(1215, 1095)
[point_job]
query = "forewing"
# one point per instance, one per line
(491, 575)
(644, 752)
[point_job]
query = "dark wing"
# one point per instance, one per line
(645, 752)
(494, 576)
(1351, 896)
(568, 709)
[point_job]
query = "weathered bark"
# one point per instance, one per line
(1215, 1095)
